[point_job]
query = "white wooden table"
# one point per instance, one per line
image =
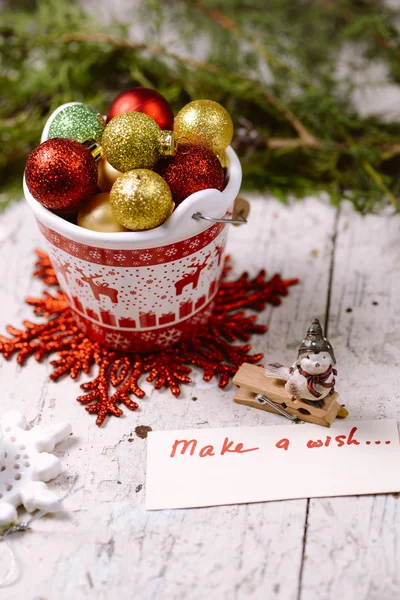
(106, 546)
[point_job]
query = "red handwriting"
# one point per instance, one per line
(238, 448)
(190, 447)
(312, 444)
(339, 440)
(185, 446)
(377, 442)
(283, 443)
(209, 450)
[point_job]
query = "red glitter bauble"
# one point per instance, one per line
(144, 100)
(61, 173)
(193, 168)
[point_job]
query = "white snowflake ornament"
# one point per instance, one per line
(26, 463)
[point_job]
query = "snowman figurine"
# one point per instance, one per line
(312, 377)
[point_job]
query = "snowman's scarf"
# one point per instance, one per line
(318, 380)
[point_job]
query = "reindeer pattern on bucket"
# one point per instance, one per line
(191, 278)
(142, 296)
(99, 289)
(63, 268)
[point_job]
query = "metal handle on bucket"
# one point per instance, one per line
(197, 216)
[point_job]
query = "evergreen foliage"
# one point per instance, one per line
(285, 70)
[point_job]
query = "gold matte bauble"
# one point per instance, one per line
(205, 122)
(141, 199)
(97, 215)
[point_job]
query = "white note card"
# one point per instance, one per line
(209, 467)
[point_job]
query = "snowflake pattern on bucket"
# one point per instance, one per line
(169, 337)
(131, 293)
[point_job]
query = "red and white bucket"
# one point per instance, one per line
(147, 290)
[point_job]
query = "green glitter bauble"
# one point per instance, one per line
(132, 140)
(77, 122)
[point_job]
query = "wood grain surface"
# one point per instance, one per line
(105, 546)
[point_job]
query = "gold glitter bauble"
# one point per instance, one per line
(131, 141)
(141, 199)
(97, 215)
(107, 175)
(205, 122)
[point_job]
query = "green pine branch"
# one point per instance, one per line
(275, 67)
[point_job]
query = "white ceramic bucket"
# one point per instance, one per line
(146, 290)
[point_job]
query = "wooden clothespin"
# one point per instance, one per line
(241, 208)
(258, 391)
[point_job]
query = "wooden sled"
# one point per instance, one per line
(255, 390)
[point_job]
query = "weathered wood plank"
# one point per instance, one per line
(352, 546)
(106, 546)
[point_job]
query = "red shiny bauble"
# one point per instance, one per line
(191, 169)
(61, 173)
(144, 100)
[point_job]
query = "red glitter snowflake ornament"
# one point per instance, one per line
(212, 350)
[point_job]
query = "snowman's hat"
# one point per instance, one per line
(315, 342)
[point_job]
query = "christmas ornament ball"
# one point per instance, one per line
(107, 175)
(141, 199)
(131, 141)
(77, 122)
(193, 168)
(205, 122)
(61, 173)
(144, 100)
(96, 214)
